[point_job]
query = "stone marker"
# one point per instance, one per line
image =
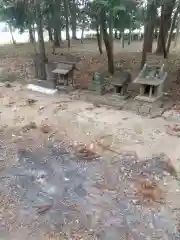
(98, 84)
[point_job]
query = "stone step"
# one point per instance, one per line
(95, 87)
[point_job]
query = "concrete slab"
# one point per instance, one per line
(41, 89)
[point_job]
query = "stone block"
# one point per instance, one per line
(156, 112)
(144, 109)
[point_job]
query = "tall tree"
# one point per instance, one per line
(149, 30)
(173, 24)
(66, 13)
(108, 41)
(167, 7)
(99, 36)
(11, 32)
(43, 58)
(73, 12)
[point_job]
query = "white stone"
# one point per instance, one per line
(41, 89)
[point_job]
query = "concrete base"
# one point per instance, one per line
(147, 98)
(119, 97)
(44, 83)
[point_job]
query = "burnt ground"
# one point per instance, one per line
(53, 191)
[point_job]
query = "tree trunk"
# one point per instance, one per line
(111, 27)
(108, 43)
(66, 13)
(43, 58)
(166, 12)
(99, 39)
(11, 32)
(56, 38)
(116, 34)
(151, 26)
(82, 29)
(122, 39)
(82, 34)
(49, 27)
(73, 19)
(148, 33)
(50, 33)
(60, 30)
(162, 37)
(31, 35)
(144, 52)
(60, 35)
(177, 32)
(129, 37)
(173, 23)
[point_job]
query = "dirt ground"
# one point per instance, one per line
(129, 149)
(71, 169)
(18, 60)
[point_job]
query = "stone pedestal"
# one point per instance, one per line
(150, 90)
(98, 84)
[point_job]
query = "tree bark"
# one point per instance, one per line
(122, 39)
(66, 13)
(151, 26)
(31, 35)
(108, 43)
(177, 32)
(162, 37)
(99, 39)
(73, 19)
(148, 33)
(116, 34)
(82, 34)
(173, 23)
(43, 58)
(111, 25)
(165, 24)
(129, 37)
(50, 33)
(56, 38)
(49, 26)
(60, 30)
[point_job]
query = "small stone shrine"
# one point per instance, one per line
(151, 79)
(64, 72)
(120, 82)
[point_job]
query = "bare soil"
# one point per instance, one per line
(71, 169)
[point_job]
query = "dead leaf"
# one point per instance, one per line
(83, 152)
(149, 191)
